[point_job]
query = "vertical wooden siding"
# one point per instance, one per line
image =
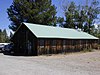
(55, 46)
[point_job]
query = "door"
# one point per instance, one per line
(29, 47)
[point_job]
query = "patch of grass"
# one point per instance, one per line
(87, 50)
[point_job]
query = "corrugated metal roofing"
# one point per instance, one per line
(42, 31)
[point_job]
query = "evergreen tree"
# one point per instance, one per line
(91, 14)
(88, 15)
(97, 31)
(32, 11)
(3, 36)
(69, 14)
(81, 17)
(60, 21)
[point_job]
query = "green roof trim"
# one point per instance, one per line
(43, 31)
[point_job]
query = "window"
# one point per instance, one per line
(64, 42)
(53, 42)
(41, 42)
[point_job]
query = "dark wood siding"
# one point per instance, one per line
(24, 42)
(55, 46)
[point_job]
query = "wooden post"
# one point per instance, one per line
(56, 47)
(62, 46)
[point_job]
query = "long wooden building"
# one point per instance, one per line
(35, 39)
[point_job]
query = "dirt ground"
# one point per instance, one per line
(69, 64)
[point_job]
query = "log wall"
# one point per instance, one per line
(55, 46)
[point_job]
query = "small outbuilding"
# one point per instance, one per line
(35, 39)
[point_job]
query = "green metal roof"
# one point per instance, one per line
(42, 31)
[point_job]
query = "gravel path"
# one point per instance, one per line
(71, 64)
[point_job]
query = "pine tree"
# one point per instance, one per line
(60, 21)
(91, 14)
(81, 17)
(3, 36)
(31, 11)
(97, 31)
(69, 14)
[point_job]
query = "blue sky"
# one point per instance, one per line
(4, 4)
(4, 21)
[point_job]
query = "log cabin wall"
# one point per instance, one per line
(55, 46)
